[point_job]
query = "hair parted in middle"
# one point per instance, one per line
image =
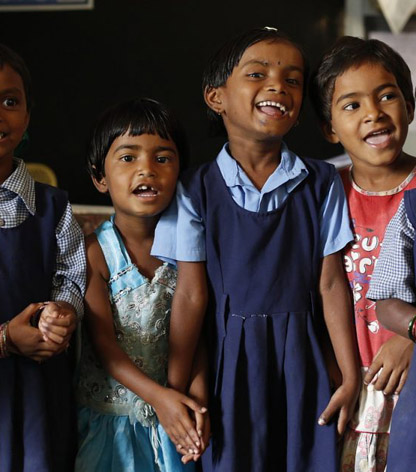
(134, 117)
(221, 65)
(351, 52)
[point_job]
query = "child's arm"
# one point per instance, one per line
(171, 406)
(336, 303)
(57, 322)
(188, 310)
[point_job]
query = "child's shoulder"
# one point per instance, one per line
(95, 256)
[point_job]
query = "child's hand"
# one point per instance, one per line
(172, 409)
(57, 322)
(203, 428)
(25, 340)
(343, 400)
(394, 358)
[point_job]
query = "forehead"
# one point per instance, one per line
(279, 52)
(9, 78)
(142, 141)
(364, 77)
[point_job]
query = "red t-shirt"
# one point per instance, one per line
(370, 213)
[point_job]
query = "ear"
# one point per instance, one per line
(329, 133)
(410, 112)
(213, 98)
(100, 185)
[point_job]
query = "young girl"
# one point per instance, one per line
(42, 258)
(270, 226)
(364, 96)
(134, 157)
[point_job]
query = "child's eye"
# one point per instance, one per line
(126, 158)
(255, 75)
(162, 159)
(351, 106)
(10, 102)
(293, 81)
(387, 96)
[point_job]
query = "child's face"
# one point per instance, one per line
(140, 174)
(369, 115)
(262, 97)
(14, 116)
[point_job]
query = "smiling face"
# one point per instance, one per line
(262, 97)
(14, 116)
(140, 174)
(369, 115)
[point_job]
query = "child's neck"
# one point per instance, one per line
(6, 168)
(259, 159)
(137, 234)
(383, 178)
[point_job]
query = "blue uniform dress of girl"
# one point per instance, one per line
(402, 450)
(268, 374)
(37, 428)
(118, 431)
(263, 250)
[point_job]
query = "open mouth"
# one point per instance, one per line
(3, 135)
(145, 191)
(272, 108)
(378, 138)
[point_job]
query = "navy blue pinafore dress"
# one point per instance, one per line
(37, 429)
(402, 446)
(268, 378)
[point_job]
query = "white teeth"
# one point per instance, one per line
(143, 187)
(269, 103)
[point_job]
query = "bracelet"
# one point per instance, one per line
(410, 329)
(3, 340)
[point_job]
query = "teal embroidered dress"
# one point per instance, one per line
(118, 431)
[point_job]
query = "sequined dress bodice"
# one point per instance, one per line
(141, 312)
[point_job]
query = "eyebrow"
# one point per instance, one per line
(136, 147)
(11, 90)
(376, 90)
(267, 63)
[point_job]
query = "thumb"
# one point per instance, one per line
(29, 311)
(193, 405)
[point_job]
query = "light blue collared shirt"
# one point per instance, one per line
(180, 233)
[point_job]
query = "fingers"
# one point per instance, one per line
(401, 383)
(328, 413)
(372, 372)
(342, 421)
(383, 378)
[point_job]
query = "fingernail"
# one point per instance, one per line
(199, 433)
(197, 443)
(190, 451)
(321, 421)
(203, 409)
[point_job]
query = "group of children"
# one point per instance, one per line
(218, 325)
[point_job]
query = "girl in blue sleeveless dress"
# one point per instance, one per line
(128, 418)
(270, 227)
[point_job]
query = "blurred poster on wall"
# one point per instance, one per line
(39, 5)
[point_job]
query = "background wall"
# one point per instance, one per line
(84, 61)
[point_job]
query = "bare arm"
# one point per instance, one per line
(188, 310)
(170, 406)
(395, 315)
(336, 303)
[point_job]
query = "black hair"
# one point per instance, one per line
(221, 65)
(13, 60)
(135, 117)
(348, 52)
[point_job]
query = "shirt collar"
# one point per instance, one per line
(21, 183)
(290, 165)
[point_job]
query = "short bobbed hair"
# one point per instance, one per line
(221, 65)
(13, 60)
(134, 117)
(351, 52)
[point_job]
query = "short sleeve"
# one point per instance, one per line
(180, 232)
(393, 276)
(334, 220)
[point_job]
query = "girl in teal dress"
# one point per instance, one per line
(129, 420)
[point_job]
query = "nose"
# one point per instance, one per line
(146, 168)
(372, 111)
(275, 84)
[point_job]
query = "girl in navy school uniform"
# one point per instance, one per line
(42, 259)
(267, 227)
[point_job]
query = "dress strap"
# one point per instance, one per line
(115, 253)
